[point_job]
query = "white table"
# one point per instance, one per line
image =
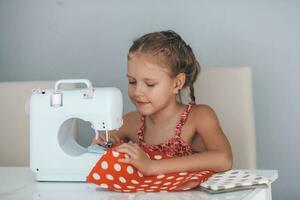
(19, 183)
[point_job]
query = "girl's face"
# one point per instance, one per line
(150, 87)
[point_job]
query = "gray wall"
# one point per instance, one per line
(45, 40)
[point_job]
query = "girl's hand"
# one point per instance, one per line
(137, 157)
(102, 140)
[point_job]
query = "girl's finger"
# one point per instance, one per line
(129, 146)
(127, 151)
(98, 141)
(114, 139)
(94, 141)
(137, 147)
(125, 160)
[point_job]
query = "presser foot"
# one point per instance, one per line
(108, 144)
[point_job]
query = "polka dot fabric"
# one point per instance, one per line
(123, 177)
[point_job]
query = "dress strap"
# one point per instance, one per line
(183, 117)
(141, 130)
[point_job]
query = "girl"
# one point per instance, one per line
(160, 65)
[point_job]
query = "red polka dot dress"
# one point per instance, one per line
(111, 174)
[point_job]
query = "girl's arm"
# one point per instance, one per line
(217, 157)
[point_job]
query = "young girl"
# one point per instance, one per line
(160, 65)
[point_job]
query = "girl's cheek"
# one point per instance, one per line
(129, 90)
(130, 94)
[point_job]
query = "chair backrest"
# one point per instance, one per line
(229, 92)
(14, 123)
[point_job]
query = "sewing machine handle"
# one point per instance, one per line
(84, 81)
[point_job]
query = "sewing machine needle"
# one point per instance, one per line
(108, 143)
(106, 136)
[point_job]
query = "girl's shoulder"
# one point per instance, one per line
(131, 125)
(203, 115)
(131, 120)
(203, 109)
(132, 116)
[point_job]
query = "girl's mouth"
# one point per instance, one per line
(141, 102)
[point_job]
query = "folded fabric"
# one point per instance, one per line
(233, 180)
(122, 177)
(95, 148)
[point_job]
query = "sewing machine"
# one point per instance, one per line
(54, 153)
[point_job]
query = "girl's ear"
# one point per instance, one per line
(179, 82)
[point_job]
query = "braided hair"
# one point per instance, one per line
(171, 49)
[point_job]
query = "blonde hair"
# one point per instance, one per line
(173, 51)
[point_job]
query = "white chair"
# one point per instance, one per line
(229, 92)
(14, 122)
(14, 134)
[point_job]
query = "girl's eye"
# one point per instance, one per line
(131, 82)
(150, 85)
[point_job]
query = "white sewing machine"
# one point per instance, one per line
(54, 153)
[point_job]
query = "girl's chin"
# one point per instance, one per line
(141, 105)
(143, 108)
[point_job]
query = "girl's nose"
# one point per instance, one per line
(139, 90)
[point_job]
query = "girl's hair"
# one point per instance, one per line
(171, 49)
